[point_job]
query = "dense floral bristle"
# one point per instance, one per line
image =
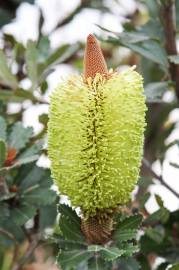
(94, 61)
(95, 139)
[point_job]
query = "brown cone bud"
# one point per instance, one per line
(94, 61)
(97, 231)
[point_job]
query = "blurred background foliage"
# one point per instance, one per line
(149, 40)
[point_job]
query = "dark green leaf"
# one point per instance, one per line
(70, 259)
(97, 263)
(129, 249)
(30, 175)
(156, 234)
(19, 136)
(3, 152)
(69, 213)
(159, 201)
(48, 215)
(124, 234)
(66, 244)
(111, 253)
(43, 49)
(31, 151)
(39, 196)
(25, 160)
(161, 215)
(20, 215)
(143, 199)
(3, 128)
(5, 73)
(70, 223)
(132, 222)
(129, 264)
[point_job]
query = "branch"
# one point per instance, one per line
(32, 246)
(159, 177)
(168, 20)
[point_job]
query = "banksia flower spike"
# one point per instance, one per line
(95, 140)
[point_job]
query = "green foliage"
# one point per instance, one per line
(74, 250)
(27, 201)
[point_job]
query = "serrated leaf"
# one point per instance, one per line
(70, 259)
(69, 244)
(124, 234)
(143, 199)
(19, 136)
(159, 201)
(14, 229)
(48, 214)
(111, 253)
(161, 215)
(5, 73)
(3, 128)
(20, 215)
(70, 213)
(132, 222)
(156, 234)
(129, 249)
(31, 151)
(39, 196)
(155, 91)
(31, 175)
(3, 152)
(19, 162)
(25, 160)
(97, 263)
(129, 264)
(70, 224)
(31, 57)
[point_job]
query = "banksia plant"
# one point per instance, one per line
(95, 140)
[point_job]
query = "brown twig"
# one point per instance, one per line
(168, 20)
(32, 246)
(159, 177)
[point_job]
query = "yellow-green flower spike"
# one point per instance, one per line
(95, 138)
